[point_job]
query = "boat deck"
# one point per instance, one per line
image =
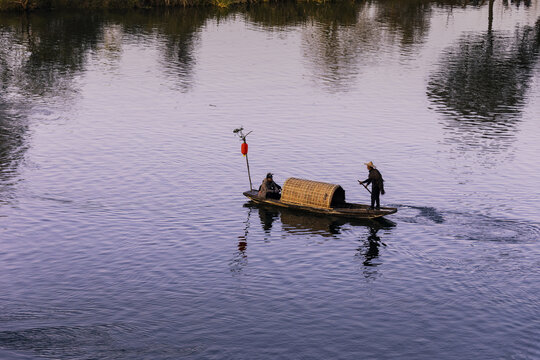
(346, 209)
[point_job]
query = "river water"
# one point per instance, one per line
(124, 233)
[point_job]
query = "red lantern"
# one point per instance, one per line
(244, 149)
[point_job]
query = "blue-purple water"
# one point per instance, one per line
(123, 230)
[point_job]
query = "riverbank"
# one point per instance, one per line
(22, 5)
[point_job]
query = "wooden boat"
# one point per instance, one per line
(321, 198)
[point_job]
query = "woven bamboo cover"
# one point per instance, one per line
(309, 193)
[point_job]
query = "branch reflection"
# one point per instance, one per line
(481, 85)
(338, 38)
(40, 55)
(338, 48)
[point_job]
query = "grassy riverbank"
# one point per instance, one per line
(22, 5)
(115, 4)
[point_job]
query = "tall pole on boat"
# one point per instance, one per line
(247, 163)
(244, 149)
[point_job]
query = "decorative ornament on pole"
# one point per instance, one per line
(244, 149)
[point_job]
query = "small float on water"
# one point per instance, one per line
(319, 197)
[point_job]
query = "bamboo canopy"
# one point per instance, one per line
(312, 193)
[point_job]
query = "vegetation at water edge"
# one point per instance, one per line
(22, 5)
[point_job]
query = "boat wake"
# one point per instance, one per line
(485, 228)
(419, 214)
(470, 226)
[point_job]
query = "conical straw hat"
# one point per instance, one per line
(370, 164)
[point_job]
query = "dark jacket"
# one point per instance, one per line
(376, 180)
(268, 187)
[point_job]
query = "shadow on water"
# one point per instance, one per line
(368, 253)
(369, 250)
(300, 223)
(462, 226)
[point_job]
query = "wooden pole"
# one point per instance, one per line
(249, 174)
(240, 133)
(364, 185)
(490, 16)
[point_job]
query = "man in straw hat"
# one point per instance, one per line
(377, 184)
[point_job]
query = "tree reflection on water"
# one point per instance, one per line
(178, 33)
(42, 53)
(338, 39)
(481, 84)
(39, 57)
(338, 46)
(12, 147)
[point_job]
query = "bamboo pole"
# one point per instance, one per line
(240, 133)
(249, 174)
(364, 185)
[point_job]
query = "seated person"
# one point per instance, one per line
(269, 189)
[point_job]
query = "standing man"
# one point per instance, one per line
(377, 184)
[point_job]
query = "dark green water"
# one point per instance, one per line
(123, 230)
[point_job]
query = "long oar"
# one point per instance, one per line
(364, 185)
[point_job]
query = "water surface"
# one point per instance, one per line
(124, 232)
